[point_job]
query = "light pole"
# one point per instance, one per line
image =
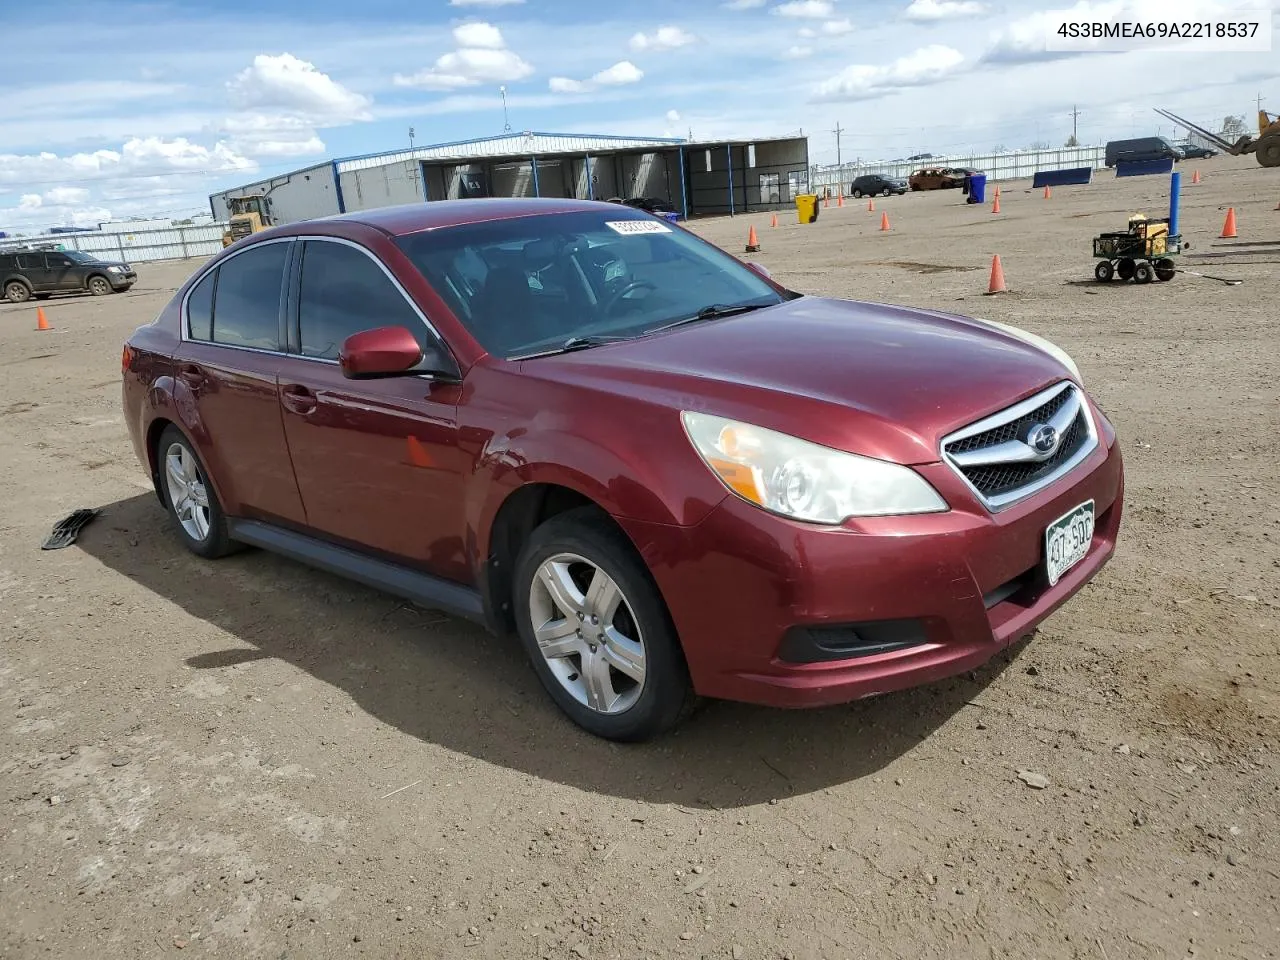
(506, 126)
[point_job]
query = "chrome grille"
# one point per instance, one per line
(998, 457)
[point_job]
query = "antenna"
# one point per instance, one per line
(506, 124)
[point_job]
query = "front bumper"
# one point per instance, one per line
(937, 595)
(122, 281)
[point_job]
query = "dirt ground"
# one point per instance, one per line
(251, 759)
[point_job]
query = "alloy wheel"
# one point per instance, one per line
(187, 493)
(587, 632)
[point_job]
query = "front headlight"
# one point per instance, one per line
(115, 269)
(803, 480)
(1040, 343)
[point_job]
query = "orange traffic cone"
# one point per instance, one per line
(1229, 225)
(1195, 177)
(753, 242)
(42, 322)
(826, 200)
(996, 285)
(884, 221)
(995, 204)
(1278, 206)
(774, 221)
(1048, 194)
(840, 200)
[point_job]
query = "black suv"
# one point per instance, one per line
(870, 184)
(40, 273)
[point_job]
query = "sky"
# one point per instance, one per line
(138, 109)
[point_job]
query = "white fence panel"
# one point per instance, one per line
(144, 246)
(1011, 165)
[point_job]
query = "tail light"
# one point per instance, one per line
(126, 359)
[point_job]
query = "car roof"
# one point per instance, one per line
(410, 218)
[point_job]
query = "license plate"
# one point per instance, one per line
(1067, 541)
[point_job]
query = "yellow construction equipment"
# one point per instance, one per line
(248, 214)
(1265, 146)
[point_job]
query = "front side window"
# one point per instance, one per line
(531, 284)
(246, 309)
(345, 292)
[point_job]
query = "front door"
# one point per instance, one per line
(61, 272)
(377, 461)
(226, 367)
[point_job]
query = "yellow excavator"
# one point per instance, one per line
(1265, 146)
(248, 214)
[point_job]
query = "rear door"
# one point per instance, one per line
(226, 365)
(33, 268)
(377, 461)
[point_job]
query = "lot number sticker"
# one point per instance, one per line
(630, 227)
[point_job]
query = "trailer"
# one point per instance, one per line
(1142, 253)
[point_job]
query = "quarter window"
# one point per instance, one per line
(200, 308)
(345, 292)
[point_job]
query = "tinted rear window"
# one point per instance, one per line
(247, 299)
(200, 308)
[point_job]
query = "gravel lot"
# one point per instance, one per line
(251, 759)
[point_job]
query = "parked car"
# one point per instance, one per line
(919, 156)
(668, 474)
(870, 184)
(937, 178)
(1141, 148)
(1193, 151)
(41, 273)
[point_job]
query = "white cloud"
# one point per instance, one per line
(930, 11)
(30, 201)
(62, 196)
(138, 156)
(865, 82)
(807, 33)
(484, 3)
(673, 116)
(837, 28)
(620, 74)
(797, 53)
(806, 9)
(484, 36)
(270, 135)
(744, 4)
(286, 83)
(664, 38)
(482, 57)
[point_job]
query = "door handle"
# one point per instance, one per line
(192, 376)
(297, 398)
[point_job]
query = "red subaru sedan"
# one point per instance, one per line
(669, 475)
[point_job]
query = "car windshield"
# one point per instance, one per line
(549, 282)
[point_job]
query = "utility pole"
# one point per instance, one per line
(411, 138)
(837, 132)
(506, 124)
(1259, 102)
(1075, 115)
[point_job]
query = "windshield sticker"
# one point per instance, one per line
(629, 227)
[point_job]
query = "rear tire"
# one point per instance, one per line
(625, 630)
(1143, 272)
(1165, 270)
(857, 194)
(1124, 269)
(99, 286)
(15, 291)
(189, 497)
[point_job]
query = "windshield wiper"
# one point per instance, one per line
(575, 343)
(713, 311)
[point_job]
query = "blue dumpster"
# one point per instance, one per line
(977, 188)
(670, 217)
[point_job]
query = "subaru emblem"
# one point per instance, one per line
(1043, 439)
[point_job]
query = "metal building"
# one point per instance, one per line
(695, 178)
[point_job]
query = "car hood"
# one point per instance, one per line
(879, 380)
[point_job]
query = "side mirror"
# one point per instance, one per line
(383, 352)
(761, 269)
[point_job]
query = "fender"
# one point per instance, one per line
(171, 399)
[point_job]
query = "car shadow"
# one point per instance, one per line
(449, 682)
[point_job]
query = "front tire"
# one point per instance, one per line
(1104, 271)
(99, 286)
(1143, 272)
(189, 497)
(597, 631)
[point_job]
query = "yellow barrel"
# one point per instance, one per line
(807, 207)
